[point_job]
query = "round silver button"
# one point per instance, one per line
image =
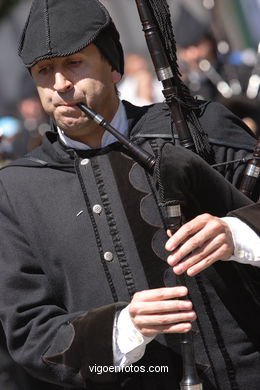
(97, 209)
(108, 256)
(85, 161)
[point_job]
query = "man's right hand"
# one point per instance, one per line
(161, 311)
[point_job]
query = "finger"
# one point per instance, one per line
(161, 324)
(182, 327)
(213, 250)
(159, 307)
(178, 328)
(169, 233)
(199, 267)
(197, 256)
(185, 231)
(209, 232)
(160, 294)
(216, 255)
(163, 320)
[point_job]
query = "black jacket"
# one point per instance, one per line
(250, 215)
(66, 269)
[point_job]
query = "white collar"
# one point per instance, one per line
(119, 122)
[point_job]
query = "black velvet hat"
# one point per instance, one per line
(58, 28)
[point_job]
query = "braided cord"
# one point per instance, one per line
(162, 17)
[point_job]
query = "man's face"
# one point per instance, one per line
(82, 77)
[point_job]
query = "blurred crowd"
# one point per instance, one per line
(210, 69)
(22, 126)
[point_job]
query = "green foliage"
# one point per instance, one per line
(6, 5)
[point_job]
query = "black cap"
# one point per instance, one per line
(59, 28)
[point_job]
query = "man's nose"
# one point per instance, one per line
(61, 82)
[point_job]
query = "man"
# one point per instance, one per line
(209, 68)
(81, 289)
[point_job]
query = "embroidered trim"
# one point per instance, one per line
(155, 148)
(215, 327)
(212, 366)
(47, 27)
(96, 232)
(128, 276)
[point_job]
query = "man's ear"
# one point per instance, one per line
(116, 76)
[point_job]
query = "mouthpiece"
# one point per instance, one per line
(140, 155)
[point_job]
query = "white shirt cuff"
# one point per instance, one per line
(128, 343)
(246, 242)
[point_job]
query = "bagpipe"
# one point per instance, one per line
(156, 21)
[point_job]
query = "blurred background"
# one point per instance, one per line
(218, 56)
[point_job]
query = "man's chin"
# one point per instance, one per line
(71, 123)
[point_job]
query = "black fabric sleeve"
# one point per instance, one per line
(226, 129)
(250, 215)
(91, 345)
(36, 323)
(230, 138)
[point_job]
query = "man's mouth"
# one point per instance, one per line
(66, 104)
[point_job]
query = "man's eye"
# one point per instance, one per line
(74, 62)
(44, 70)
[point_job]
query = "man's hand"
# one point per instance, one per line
(198, 244)
(155, 311)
